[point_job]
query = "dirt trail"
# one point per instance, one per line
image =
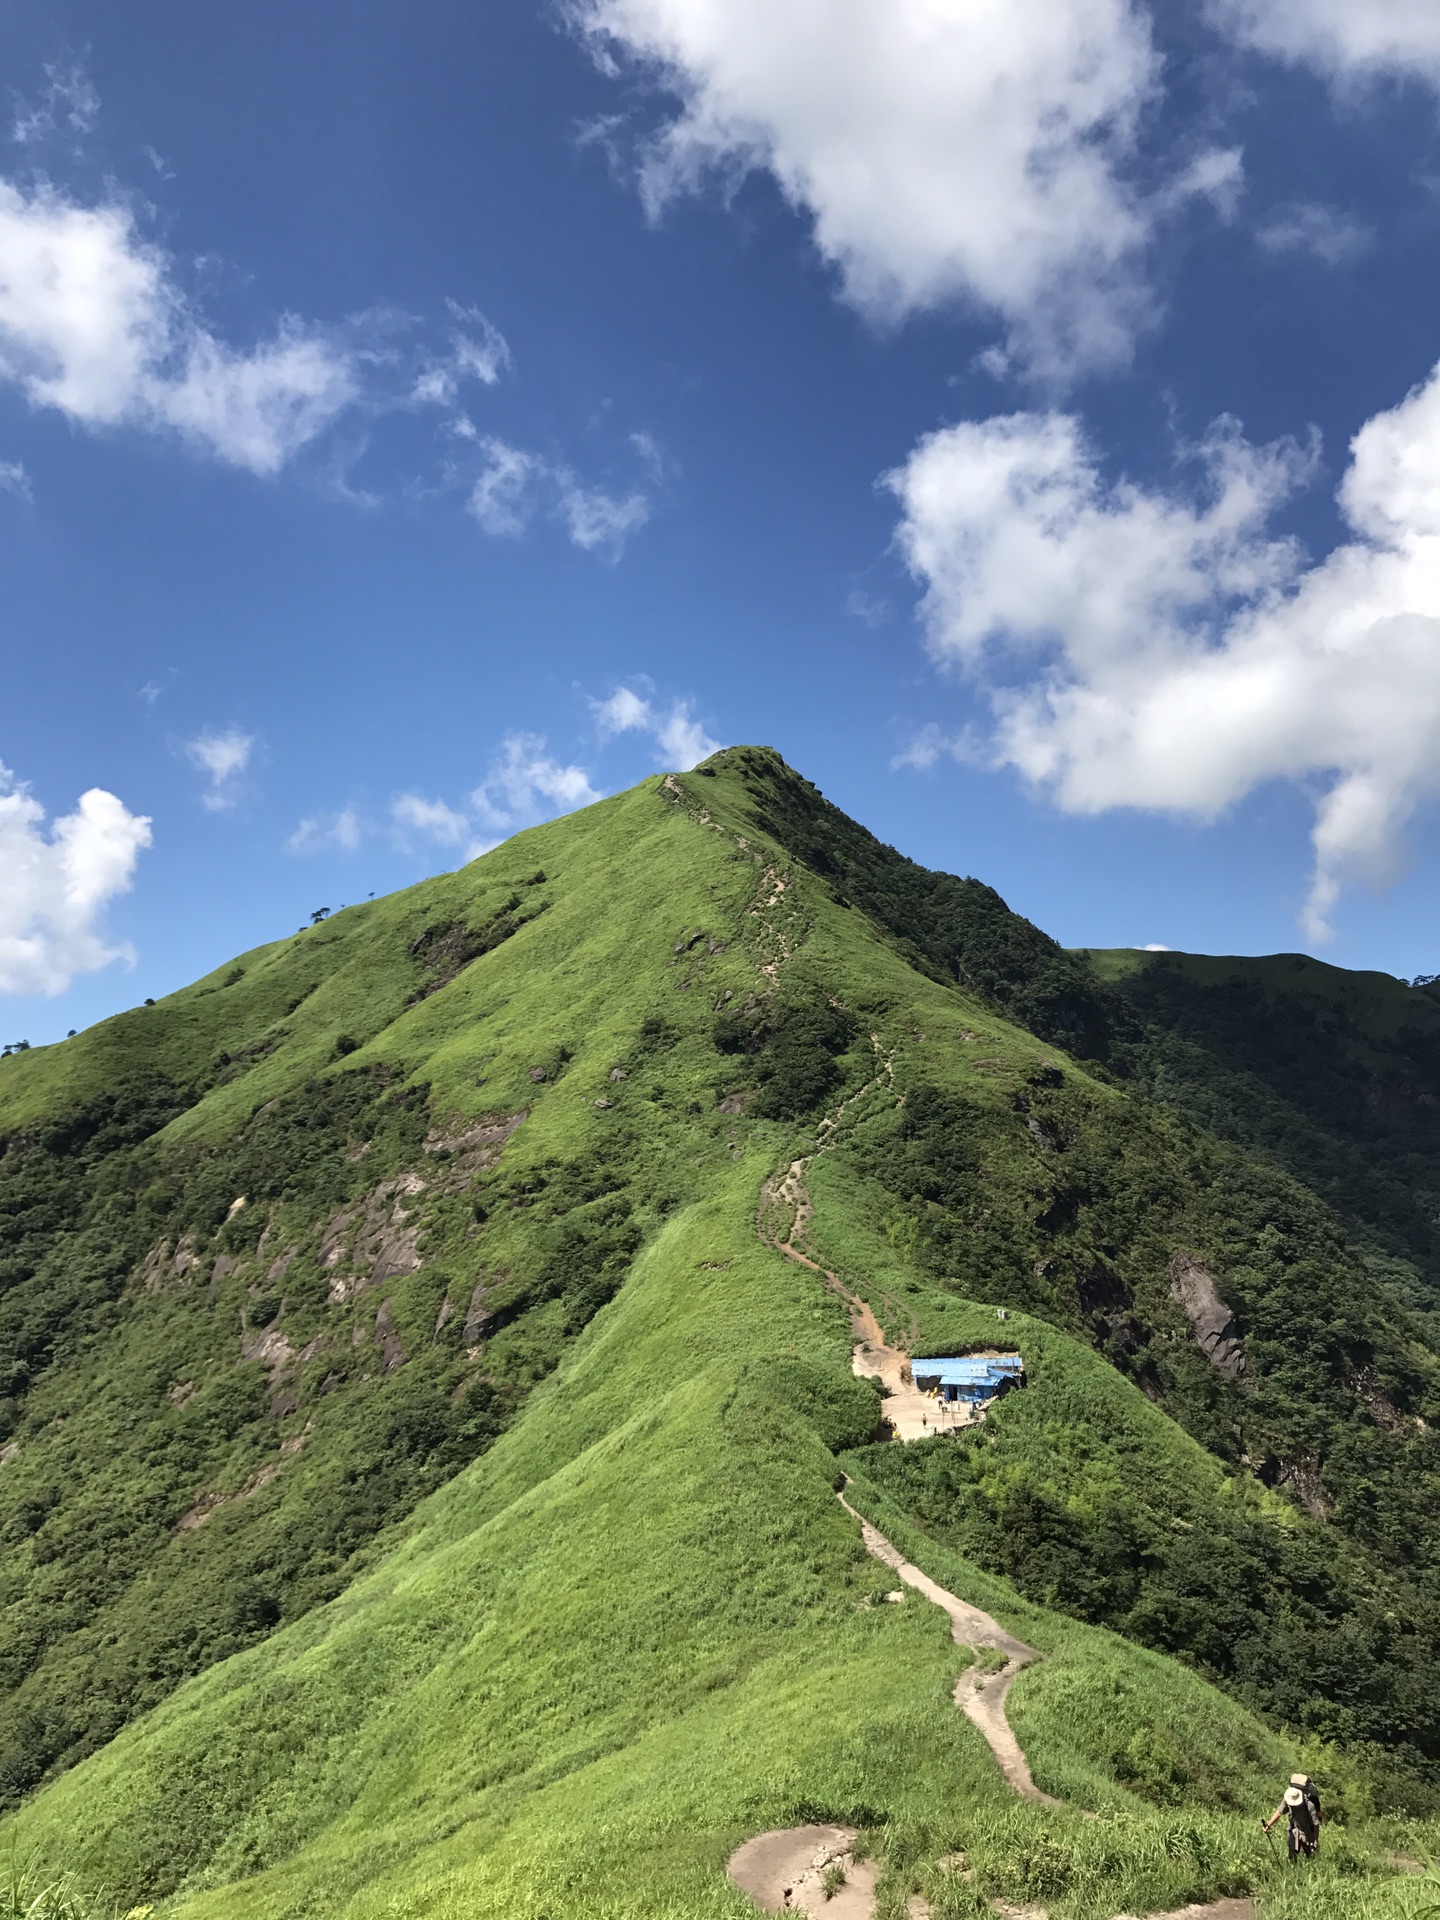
(786, 1871)
(784, 1214)
(979, 1696)
(912, 1415)
(783, 1221)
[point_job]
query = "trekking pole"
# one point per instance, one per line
(1271, 1838)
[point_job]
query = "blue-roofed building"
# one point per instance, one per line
(971, 1378)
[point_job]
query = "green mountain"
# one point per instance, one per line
(419, 1447)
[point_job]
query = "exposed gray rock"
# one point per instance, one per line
(1193, 1289)
(477, 1315)
(389, 1338)
(365, 1246)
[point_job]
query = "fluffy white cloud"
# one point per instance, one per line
(1345, 38)
(222, 758)
(1165, 650)
(682, 741)
(976, 151)
(94, 324)
(55, 885)
(524, 784)
(432, 819)
(513, 486)
(339, 832)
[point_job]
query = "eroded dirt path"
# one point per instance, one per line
(783, 1220)
(979, 1695)
(812, 1869)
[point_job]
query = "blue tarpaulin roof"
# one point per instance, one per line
(969, 1369)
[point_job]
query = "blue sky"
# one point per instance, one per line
(417, 421)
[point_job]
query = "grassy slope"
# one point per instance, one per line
(634, 1631)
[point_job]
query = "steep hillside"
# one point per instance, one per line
(418, 1480)
(1333, 1075)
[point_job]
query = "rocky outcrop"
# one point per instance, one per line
(389, 1338)
(1192, 1287)
(378, 1241)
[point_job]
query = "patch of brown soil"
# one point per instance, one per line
(785, 1872)
(478, 1140)
(213, 1499)
(1217, 1910)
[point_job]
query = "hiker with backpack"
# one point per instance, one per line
(1301, 1807)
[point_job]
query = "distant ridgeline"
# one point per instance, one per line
(413, 1440)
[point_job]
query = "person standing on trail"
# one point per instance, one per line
(1303, 1815)
(1312, 1798)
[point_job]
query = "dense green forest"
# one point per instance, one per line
(404, 1423)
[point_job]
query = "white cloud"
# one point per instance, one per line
(258, 409)
(597, 521)
(653, 456)
(69, 103)
(1217, 175)
(54, 886)
(93, 323)
(1156, 946)
(1166, 650)
(478, 351)
(871, 609)
(524, 783)
(222, 758)
(14, 479)
(430, 818)
(1332, 236)
(501, 499)
(513, 486)
(941, 152)
(623, 711)
(339, 832)
(1346, 39)
(682, 741)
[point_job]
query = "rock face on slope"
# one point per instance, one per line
(1193, 1289)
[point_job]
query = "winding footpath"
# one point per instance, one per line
(812, 1869)
(979, 1696)
(783, 1216)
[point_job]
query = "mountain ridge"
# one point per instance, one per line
(499, 1247)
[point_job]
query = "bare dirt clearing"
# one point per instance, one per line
(786, 1872)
